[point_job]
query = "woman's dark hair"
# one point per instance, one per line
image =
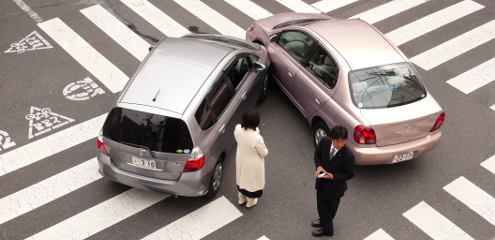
(338, 132)
(250, 119)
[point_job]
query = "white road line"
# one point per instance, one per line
(493, 107)
(433, 223)
(199, 223)
(263, 238)
(298, 6)
(28, 10)
(475, 77)
(116, 30)
(387, 10)
(489, 164)
(50, 145)
(379, 234)
(157, 18)
(250, 8)
(433, 21)
(85, 54)
(455, 46)
(330, 5)
(474, 197)
(211, 17)
(101, 216)
(48, 190)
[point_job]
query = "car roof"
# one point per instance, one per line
(174, 73)
(360, 44)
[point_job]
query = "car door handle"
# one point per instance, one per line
(244, 96)
(317, 101)
(222, 129)
(290, 74)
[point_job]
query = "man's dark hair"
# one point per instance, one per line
(338, 132)
(250, 119)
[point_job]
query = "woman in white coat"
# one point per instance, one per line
(250, 159)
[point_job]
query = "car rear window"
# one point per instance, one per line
(385, 86)
(147, 130)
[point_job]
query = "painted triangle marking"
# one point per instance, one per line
(5, 141)
(33, 41)
(44, 120)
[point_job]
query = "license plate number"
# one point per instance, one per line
(402, 157)
(144, 163)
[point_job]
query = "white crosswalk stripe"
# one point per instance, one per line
(489, 164)
(50, 145)
(456, 46)
(298, 6)
(474, 78)
(156, 17)
(434, 224)
(250, 8)
(387, 10)
(263, 238)
(87, 56)
(330, 5)
(48, 190)
(493, 107)
(474, 197)
(211, 17)
(200, 222)
(433, 21)
(101, 216)
(379, 234)
(119, 32)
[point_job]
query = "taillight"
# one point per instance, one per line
(196, 162)
(364, 135)
(101, 146)
(438, 122)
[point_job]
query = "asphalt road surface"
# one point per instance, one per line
(62, 65)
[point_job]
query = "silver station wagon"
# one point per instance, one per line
(171, 127)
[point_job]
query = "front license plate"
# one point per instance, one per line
(143, 163)
(402, 157)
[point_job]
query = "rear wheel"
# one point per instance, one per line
(215, 180)
(320, 130)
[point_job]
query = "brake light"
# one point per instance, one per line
(196, 162)
(438, 122)
(364, 135)
(101, 146)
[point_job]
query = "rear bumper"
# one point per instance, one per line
(385, 155)
(190, 184)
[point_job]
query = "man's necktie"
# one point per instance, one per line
(332, 153)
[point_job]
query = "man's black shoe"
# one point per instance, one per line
(321, 233)
(316, 223)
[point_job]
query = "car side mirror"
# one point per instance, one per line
(258, 67)
(273, 38)
(151, 48)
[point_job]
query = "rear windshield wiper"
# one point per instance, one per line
(139, 146)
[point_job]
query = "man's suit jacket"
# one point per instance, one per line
(341, 166)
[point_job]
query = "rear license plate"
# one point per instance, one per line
(402, 157)
(143, 163)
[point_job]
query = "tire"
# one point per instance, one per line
(215, 179)
(320, 130)
(266, 86)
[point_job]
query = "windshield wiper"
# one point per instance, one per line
(139, 146)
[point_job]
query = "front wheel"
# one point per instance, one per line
(320, 130)
(215, 180)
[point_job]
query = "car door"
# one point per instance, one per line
(287, 53)
(314, 84)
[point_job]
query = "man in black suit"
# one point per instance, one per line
(334, 166)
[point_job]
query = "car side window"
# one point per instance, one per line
(323, 67)
(239, 70)
(215, 102)
(297, 44)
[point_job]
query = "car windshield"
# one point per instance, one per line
(225, 41)
(145, 130)
(385, 86)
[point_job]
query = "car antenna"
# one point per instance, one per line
(156, 95)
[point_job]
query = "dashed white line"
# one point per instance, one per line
(199, 223)
(85, 54)
(101, 216)
(330, 5)
(298, 6)
(250, 8)
(116, 30)
(379, 234)
(433, 21)
(50, 145)
(474, 197)
(434, 224)
(156, 17)
(475, 77)
(455, 46)
(48, 190)
(387, 10)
